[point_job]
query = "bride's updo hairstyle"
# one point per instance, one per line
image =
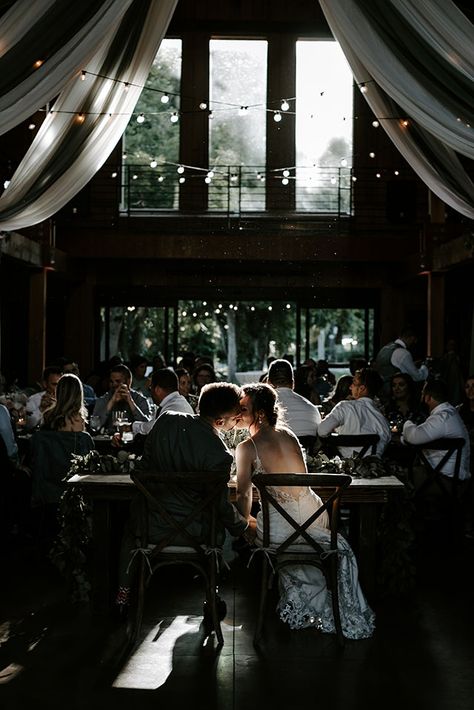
(263, 398)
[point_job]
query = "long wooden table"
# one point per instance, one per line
(109, 491)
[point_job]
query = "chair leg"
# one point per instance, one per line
(139, 604)
(213, 601)
(262, 602)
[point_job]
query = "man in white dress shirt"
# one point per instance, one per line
(301, 416)
(444, 421)
(37, 403)
(359, 415)
(165, 394)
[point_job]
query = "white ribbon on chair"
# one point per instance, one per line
(145, 551)
(219, 556)
(267, 551)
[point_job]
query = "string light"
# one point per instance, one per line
(285, 181)
(38, 63)
(165, 99)
(375, 124)
(180, 169)
(31, 126)
(114, 174)
(286, 173)
(181, 180)
(203, 105)
(243, 110)
(174, 117)
(285, 105)
(404, 123)
(160, 178)
(277, 116)
(153, 163)
(83, 75)
(81, 117)
(141, 118)
(371, 155)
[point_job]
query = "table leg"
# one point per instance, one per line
(101, 557)
(364, 530)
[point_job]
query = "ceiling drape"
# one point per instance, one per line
(415, 61)
(88, 118)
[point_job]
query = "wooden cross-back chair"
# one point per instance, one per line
(450, 447)
(364, 442)
(299, 548)
(180, 544)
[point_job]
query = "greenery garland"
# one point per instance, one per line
(70, 550)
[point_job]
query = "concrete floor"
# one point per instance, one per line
(56, 655)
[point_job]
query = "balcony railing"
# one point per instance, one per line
(237, 190)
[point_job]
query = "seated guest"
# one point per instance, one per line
(72, 367)
(301, 416)
(443, 421)
(188, 442)
(185, 385)
(359, 415)
(37, 403)
(305, 379)
(341, 391)
(120, 398)
(7, 434)
(140, 383)
(52, 447)
(203, 374)
(403, 403)
(466, 409)
(165, 394)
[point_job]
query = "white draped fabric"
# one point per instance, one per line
(416, 60)
(69, 148)
(63, 36)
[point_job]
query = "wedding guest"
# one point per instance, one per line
(342, 391)
(404, 402)
(466, 409)
(396, 357)
(121, 398)
(52, 447)
(185, 387)
(37, 403)
(360, 415)
(138, 367)
(203, 374)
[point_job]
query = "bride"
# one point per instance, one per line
(304, 598)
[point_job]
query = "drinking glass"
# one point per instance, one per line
(95, 424)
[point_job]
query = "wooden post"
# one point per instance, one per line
(436, 314)
(37, 325)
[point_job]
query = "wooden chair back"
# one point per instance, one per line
(299, 547)
(364, 442)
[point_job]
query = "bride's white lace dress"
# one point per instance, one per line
(304, 598)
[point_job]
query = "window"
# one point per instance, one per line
(237, 129)
(324, 87)
(151, 146)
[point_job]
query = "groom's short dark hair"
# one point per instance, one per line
(218, 398)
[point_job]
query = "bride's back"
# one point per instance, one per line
(279, 451)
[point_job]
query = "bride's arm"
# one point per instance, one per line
(243, 461)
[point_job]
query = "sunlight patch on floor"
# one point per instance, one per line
(152, 662)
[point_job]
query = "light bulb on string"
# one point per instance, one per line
(286, 173)
(363, 88)
(165, 99)
(160, 178)
(31, 126)
(333, 181)
(243, 110)
(141, 118)
(395, 172)
(203, 105)
(344, 162)
(375, 124)
(81, 117)
(207, 180)
(233, 177)
(134, 176)
(83, 75)
(211, 115)
(174, 117)
(124, 156)
(378, 175)
(372, 155)
(180, 169)
(285, 105)
(277, 117)
(114, 174)
(181, 180)
(153, 163)
(285, 181)
(210, 174)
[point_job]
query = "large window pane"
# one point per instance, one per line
(337, 334)
(151, 147)
(238, 87)
(324, 110)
